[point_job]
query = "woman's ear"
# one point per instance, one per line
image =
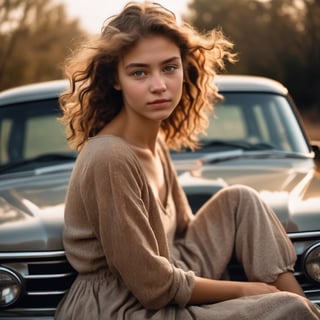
(117, 86)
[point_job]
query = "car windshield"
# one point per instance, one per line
(253, 122)
(30, 135)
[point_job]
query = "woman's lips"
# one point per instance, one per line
(160, 103)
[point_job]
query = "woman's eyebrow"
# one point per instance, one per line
(144, 65)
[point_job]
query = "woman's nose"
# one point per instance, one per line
(158, 84)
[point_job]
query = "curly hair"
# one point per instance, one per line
(91, 101)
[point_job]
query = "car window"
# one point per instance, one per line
(35, 128)
(5, 128)
(261, 123)
(30, 129)
(256, 118)
(228, 119)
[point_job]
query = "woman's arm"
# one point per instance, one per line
(126, 220)
(209, 291)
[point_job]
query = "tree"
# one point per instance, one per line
(35, 38)
(310, 44)
(275, 38)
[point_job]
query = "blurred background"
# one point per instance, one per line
(279, 39)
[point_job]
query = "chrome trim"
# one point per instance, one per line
(30, 255)
(12, 273)
(45, 293)
(311, 248)
(46, 276)
(306, 234)
(15, 310)
(27, 314)
(54, 168)
(312, 291)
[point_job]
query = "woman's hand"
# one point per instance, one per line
(254, 288)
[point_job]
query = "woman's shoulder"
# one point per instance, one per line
(107, 149)
(107, 144)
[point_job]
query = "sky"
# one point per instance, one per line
(92, 13)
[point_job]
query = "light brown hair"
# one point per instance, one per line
(91, 101)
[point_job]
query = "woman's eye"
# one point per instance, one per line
(170, 68)
(138, 73)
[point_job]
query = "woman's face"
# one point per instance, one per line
(150, 77)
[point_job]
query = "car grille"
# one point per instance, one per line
(45, 277)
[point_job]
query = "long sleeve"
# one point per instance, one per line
(125, 216)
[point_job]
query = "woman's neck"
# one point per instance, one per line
(142, 135)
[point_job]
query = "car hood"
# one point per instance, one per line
(31, 211)
(290, 186)
(32, 205)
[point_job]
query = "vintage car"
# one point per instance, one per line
(255, 138)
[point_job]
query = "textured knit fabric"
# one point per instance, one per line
(137, 257)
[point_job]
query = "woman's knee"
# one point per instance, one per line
(242, 190)
(302, 307)
(240, 197)
(237, 202)
(238, 191)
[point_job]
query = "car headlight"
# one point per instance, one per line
(312, 262)
(10, 287)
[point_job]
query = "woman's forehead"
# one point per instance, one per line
(151, 49)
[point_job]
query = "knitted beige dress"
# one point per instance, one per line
(137, 257)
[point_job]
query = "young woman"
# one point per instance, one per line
(143, 86)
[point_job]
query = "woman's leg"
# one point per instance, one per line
(273, 306)
(237, 221)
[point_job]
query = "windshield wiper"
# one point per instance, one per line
(247, 146)
(215, 157)
(45, 158)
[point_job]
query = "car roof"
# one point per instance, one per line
(52, 89)
(247, 83)
(33, 92)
